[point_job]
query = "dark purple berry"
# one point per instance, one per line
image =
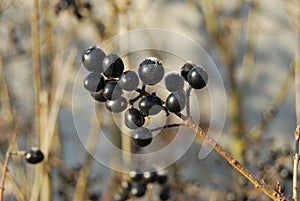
(112, 65)
(92, 59)
(98, 96)
(116, 106)
(174, 82)
(94, 82)
(161, 177)
(135, 175)
(112, 91)
(197, 78)
(126, 185)
(142, 137)
(138, 190)
(129, 81)
(176, 101)
(120, 196)
(165, 193)
(150, 176)
(34, 155)
(150, 105)
(134, 118)
(151, 71)
(185, 69)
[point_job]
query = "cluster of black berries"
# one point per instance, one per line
(108, 82)
(34, 155)
(141, 182)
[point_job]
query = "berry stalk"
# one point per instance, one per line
(260, 184)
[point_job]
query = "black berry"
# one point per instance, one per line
(150, 176)
(98, 96)
(94, 82)
(176, 101)
(134, 118)
(161, 177)
(139, 190)
(126, 185)
(129, 81)
(34, 155)
(150, 105)
(135, 175)
(185, 69)
(165, 193)
(120, 196)
(116, 106)
(197, 78)
(112, 65)
(92, 59)
(142, 137)
(151, 71)
(112, 91)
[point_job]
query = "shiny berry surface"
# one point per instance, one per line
(185, 69)
(94, 82)
(149, 176)
(197, 78)
(150, 105)
(98, 96)
(34, 155)
(113, 65)
(92, 59)
(176, 101)
(138, 190)
(120, 196)
(134, 118)
(135, 175)
(161, 177)
(174, 82)
(112, 91)
(116, 106)
(129, 81)
(142, 137)
(151, 71)
(126, 185)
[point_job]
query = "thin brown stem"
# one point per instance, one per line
(259, 184)
(5, 165)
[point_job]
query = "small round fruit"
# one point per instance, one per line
(151, 71)
(129, 81)
(176, 101)
(185, 69)
(98, 96)
(92, 59)
(34, 155)
(150, 176)
(165, 193)
(139, 190)
(126, 185)
(142, 137)
(174, 82)
(134, 118)
(197, 78)
(94, 82)
(112, 91)
(112, 65)
(120, 196)
(150, 105)
(135, 175)
(161, 177)
(116, 106)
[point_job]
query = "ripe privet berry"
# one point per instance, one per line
(150, 105)
(134, 118)
(112, 91)
(176, 101)
(126, 185)
(185, 69)
(151, 71)
(94, 82)
(34, 155)
(174, 82)
(135, 175)
(98, 96)
(150, 176)
(197, 78)
(165, 193)
(92, 59)
(112, 65)
(129, 81)
(116, 106)
(142, 137)
(138, 190)
(161, 177)
(120, 196)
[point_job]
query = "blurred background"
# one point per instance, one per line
(252, 43)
